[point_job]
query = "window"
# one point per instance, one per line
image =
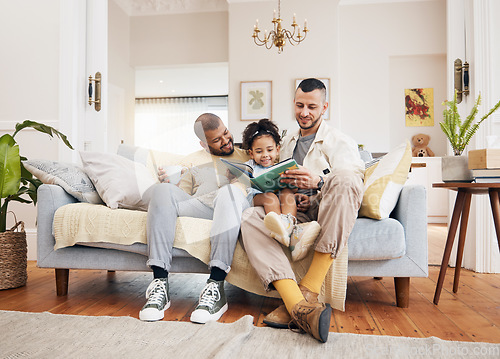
(166, 124)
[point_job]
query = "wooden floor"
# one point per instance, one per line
(472, 314)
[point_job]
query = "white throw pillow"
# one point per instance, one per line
(70, 177)
(119, 181)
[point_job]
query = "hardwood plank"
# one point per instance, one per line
(390, 319)
(475, 325)
(434, 322)
(357, 318)
(470, 293)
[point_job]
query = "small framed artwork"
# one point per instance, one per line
(256, 100)
(419, 107)
(326, 81)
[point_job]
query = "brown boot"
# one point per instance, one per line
(280, 318)
(311, 297)
(313, 318)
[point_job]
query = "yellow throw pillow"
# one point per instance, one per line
(384, 182)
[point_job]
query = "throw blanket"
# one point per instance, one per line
(83, 222)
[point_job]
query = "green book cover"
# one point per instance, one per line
(267, 181)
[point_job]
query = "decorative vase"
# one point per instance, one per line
(456, 169)
(13, 259)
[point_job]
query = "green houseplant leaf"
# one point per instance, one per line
(10, 166)
(460, 133)
(17, 183)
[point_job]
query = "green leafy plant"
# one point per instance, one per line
(15, 180)
(460, 133)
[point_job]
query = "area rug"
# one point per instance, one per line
(46, 335)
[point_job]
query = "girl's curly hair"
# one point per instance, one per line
(258, 129)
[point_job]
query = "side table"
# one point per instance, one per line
(461, 213)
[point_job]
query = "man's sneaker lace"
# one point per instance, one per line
(158, 301)
(212, 303)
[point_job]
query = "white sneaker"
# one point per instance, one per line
(212, 303)
(281, 226)
(158, 301)
(303, 238)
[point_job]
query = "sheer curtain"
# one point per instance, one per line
(166, 124)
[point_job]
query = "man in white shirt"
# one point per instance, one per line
(330, 182)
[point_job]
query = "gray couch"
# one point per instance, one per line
(394, 247)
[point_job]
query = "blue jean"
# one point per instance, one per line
(167, 202)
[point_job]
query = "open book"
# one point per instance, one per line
(266, 181)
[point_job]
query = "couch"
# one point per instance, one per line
(391, 247)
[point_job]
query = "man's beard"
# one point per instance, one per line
(314, 122)
(220, 152)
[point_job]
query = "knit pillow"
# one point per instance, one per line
(70, 177)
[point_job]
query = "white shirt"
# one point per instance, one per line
(331, 150)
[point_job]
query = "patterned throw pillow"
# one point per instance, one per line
(384, 181)
(70, 177)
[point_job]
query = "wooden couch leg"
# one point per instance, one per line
(62, 280)
(402, 286)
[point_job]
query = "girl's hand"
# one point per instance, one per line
(301, 178)
(303, 202)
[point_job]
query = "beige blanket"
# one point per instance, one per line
(83, 222)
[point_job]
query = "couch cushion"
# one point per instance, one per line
(373, 239)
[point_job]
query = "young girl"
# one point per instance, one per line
(262, 139)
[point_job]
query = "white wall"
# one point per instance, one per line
(121, 79)
(29, 86)
(317, 56)
(385, 48)
(179, 39)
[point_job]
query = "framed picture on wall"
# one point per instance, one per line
(326, 81)
(256, 100)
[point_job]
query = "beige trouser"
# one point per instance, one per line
(335, 208)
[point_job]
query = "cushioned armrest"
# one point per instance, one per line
(411, 211)
(50, 198)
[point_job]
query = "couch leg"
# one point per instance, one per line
(62, 280)
(402, 286)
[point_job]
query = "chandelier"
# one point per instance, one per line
(278, 35)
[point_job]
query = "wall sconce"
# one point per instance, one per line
(97, 81)
(458, 79)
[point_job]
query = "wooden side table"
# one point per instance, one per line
(461, 213)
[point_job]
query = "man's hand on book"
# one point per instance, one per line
(301, 178)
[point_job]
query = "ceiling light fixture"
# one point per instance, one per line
(278, 35)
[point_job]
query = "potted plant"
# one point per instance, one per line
(15, 184)
(459, 133)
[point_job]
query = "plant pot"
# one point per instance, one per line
(13, 257)
(456, 169)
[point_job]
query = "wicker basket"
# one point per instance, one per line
(13, 258)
